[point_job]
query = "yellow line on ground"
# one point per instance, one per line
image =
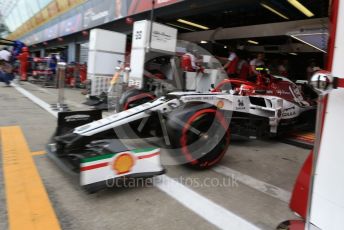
(37, 153)
(28, 204)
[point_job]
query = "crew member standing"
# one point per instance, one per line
(53, 63)
(23, 58)
(232, 64)
(243, 67)
(5, 55)
(6, 69)
(188, 62)
(256, 62)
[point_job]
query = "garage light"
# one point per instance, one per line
(193, 24)
(204, 42)
(225, 47)
(274, 11)
(301, 8)
(253, 42)
(295, 54)
(181, 27)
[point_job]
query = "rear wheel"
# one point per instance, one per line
(203, 139)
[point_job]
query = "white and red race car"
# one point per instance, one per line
(194, 127)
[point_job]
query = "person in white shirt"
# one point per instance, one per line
(6, 69)
(254, 63)
(231, 65)
(193, 60)
(190, 60)
(231, 57)
(5, 55)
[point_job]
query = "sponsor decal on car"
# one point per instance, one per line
(289, 112)
(240, 105)
(77, 117)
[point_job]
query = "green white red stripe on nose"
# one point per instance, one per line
(102, 167)
(104, 157)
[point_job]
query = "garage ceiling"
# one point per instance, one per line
(233, 22)
(235, 13)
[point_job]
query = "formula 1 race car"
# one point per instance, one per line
(193, 127)
(297, 102)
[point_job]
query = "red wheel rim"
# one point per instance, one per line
(183, 139)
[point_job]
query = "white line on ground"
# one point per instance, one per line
(205, 208)
(73, 103)
(40, 88)
(261, 186)
(35, 99)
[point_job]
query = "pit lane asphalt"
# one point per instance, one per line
(147, 207)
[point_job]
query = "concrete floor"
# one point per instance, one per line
(269, 162)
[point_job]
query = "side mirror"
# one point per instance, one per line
(322, 82)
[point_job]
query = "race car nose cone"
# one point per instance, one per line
(322, 82)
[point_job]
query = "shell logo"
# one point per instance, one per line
(220, 104)
(123, 163)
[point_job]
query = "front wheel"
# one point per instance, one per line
(132, 98)
(201, 137)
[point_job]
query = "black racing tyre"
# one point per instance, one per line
(135, 97)
(199, 136)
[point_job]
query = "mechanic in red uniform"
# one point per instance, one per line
(243, 68)
(232, 64)
(23, 58)
(188, 62)
(83, 72)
